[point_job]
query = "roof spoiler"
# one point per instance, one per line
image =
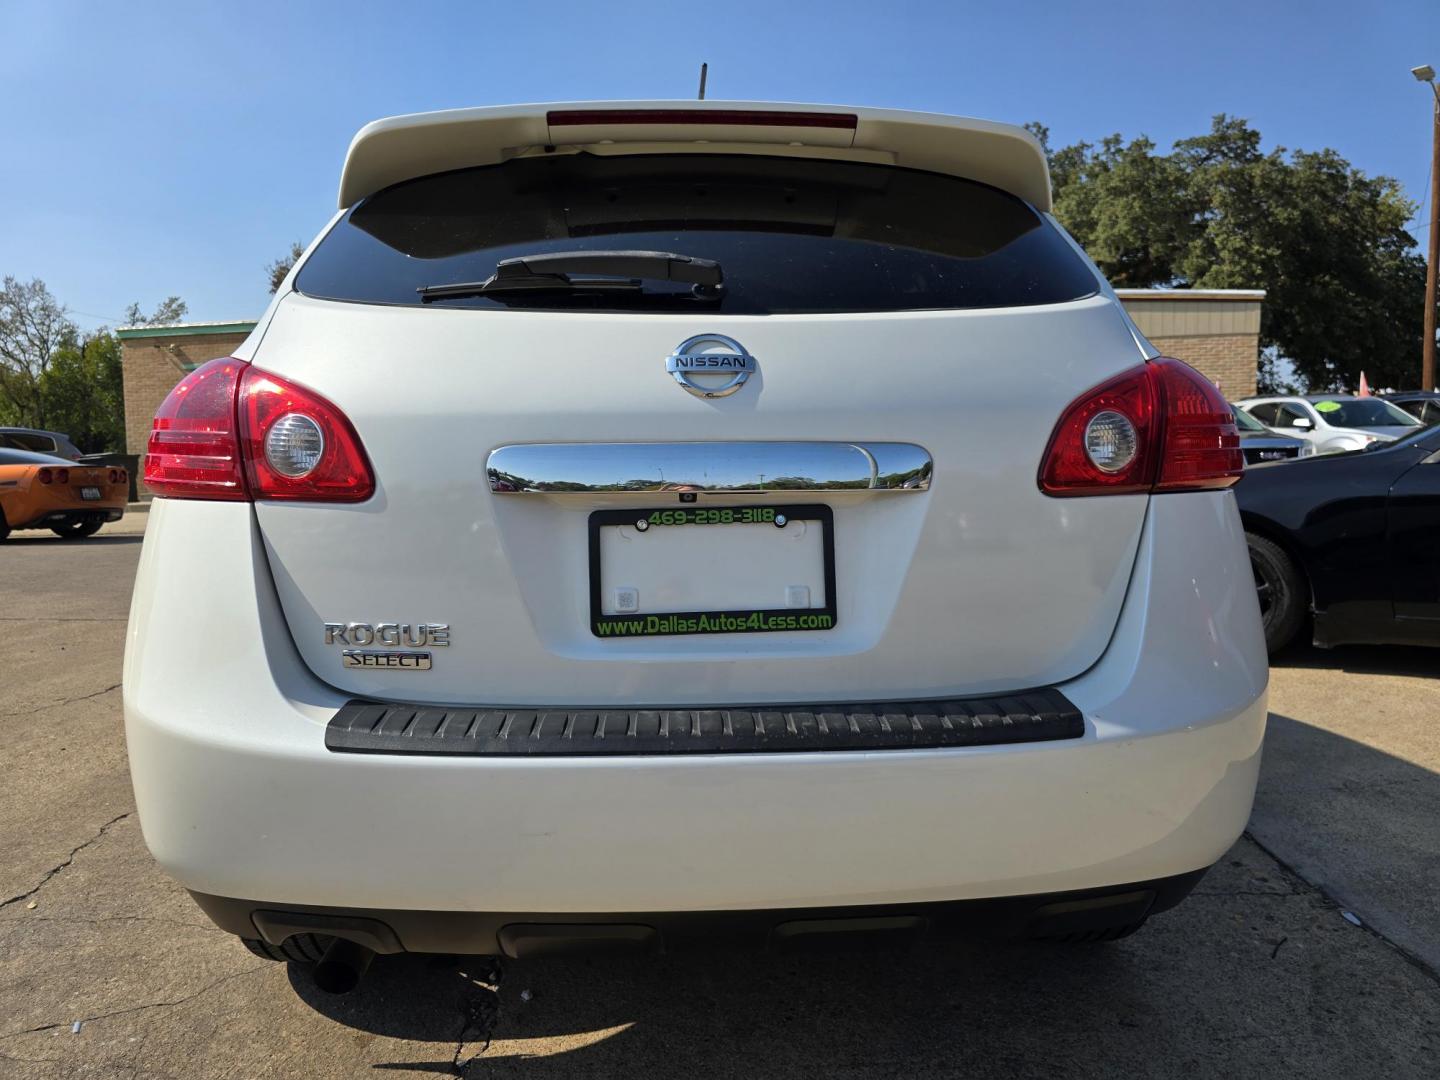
(400, 148)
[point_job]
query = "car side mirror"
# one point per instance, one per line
(1302, 422)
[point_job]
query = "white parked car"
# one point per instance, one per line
(640, 521)
(1332, 422)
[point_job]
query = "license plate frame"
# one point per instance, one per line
(734, 621)
(90, 494)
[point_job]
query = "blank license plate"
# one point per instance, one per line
(711, 570)
(90, 493)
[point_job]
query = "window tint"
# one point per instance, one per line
(1364, 412)
(1265, 413)
(24, 440)
(792, 236)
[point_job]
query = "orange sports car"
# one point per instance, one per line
(39, 491)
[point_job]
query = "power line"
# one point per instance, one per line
(94, 315)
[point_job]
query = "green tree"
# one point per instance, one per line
(171, 310)
(280, 267)
(84, 393)
(1344, 279)
(33, 325)
(52, 376)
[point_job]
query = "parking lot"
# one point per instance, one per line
(1312, 949)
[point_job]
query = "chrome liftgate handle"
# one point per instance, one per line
(732, 468)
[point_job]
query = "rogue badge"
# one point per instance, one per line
(395, 641)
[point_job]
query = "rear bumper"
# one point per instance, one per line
(1055, 916)
(56, 513)
(239, 796)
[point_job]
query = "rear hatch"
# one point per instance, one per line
(916, 335)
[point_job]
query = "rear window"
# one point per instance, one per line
(1245, 422)
(24, 440)
(792, 236)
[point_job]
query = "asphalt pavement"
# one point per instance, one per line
(1312, 949)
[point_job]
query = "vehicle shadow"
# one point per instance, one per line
(744, 1014)
(1362, 659)
(1199, 985)
(98, 540)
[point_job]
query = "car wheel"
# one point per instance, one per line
(4, 527)
(1281, 590)
(76, 530)
(297, 948)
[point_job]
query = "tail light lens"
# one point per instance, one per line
(45, 476)
(1161, 426)
(62, 476)
(194, 450)
(231, 431)
(1202, 443)
(297, 445)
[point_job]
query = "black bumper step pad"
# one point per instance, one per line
(387, 728)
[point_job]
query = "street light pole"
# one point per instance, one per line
(1426, 74)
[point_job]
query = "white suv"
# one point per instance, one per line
(1332, 423)
(635, 522)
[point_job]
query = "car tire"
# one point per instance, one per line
(1281, 590)
(295, 949)
(4, 527)
(76, 530)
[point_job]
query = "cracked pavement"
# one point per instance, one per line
(1259, 973)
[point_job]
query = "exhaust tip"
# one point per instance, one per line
(342, 967)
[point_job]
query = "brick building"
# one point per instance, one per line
(155, 358)
(1214, 330)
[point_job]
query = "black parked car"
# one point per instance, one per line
(1424, 405)
(55, 443)
(1259, 443)
(1353, 538)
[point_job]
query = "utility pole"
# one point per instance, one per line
(704, 70)
(1426, 74)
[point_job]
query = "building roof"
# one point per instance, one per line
(1250, 295)
(192, 329)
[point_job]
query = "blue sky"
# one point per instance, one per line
(152, 148)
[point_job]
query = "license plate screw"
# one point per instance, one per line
(641, 525)
(780, 521)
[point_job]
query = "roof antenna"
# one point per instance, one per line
(704, 70)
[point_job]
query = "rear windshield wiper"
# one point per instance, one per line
(600, 271)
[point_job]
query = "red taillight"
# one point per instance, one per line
(44, 476)
(297, 445)
(208, 440)
(689, 117)
(1202, 443)
(62, 476)
(1184, 436)
(194, 451)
